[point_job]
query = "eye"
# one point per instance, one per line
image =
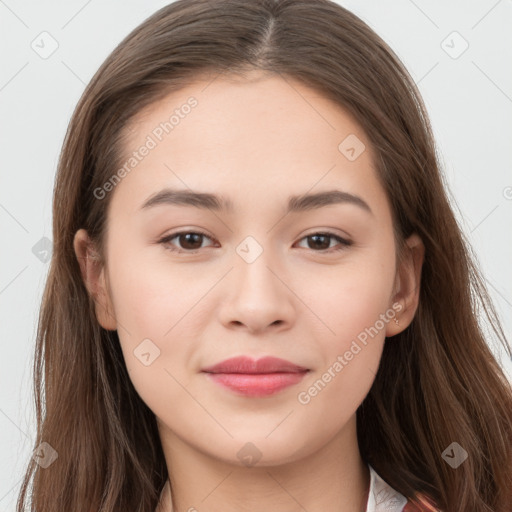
(191, 241)
(322, 241)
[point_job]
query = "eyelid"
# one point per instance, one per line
(329, 231)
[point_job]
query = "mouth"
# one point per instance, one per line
(262, 377)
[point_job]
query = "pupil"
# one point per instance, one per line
(192, 236)
(325, 237)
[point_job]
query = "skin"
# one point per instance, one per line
(255, 141)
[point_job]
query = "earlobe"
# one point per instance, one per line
(407, 285)
(93, 275)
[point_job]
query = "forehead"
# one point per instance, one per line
(251, 139)
(272, 109)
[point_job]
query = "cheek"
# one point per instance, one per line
(157, 308)
(148, 313)
(149, 294)
(352, 304)
(350, 298)
(351, 347)
(353, 336)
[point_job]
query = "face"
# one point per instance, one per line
(192, 283)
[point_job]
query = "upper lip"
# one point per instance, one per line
(244, 364)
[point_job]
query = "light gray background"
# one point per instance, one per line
(469, 99)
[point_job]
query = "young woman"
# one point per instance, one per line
(259, 297)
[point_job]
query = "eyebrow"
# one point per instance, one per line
(214, 202)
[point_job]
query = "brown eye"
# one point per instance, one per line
(189, 241)
(321, 242)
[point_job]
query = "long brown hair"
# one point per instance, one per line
(438, 382)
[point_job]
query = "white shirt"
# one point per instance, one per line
(381, 497)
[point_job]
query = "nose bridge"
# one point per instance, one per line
(253, 265)
(258, 296)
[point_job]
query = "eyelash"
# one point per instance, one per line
(166, 240)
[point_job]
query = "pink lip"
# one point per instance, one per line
(263, 377)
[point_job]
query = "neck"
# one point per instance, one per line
(332, 479)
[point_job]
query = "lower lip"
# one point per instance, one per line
(261, 384)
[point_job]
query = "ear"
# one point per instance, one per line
(407, 285)
(93, 275)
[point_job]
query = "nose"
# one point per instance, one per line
(258, 296)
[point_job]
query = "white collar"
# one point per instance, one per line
(381, 496)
